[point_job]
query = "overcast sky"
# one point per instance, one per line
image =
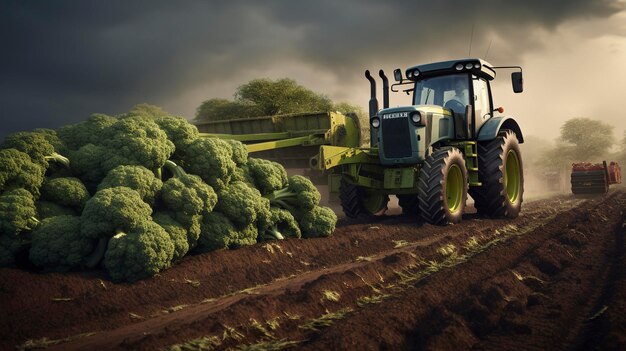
(60, 61)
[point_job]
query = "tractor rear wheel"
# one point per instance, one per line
(502, 177)
(357, 201)
(409, 204)
(443, 186)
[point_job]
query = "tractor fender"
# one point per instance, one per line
(492, 127)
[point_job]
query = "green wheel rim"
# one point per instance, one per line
(374, 202)
(454, 188)
(512, 177)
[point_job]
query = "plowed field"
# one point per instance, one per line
(552, 279)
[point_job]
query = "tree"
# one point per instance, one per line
(281, 97)
(586, 139)
(266, 97)
(346, 108)
(218, 109)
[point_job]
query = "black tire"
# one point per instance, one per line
(491, 198)
(352, 196)
(409, 203)
(349, 196)
(589, 182)
(434, 197)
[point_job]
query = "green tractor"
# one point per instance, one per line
(432, 153)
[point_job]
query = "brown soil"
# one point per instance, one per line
(553, 278)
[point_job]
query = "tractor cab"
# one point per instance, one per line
(462, 87)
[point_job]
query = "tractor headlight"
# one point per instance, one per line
(409, 74)
(416, 117)
(375, 122)
(416, 73)
(459, 66)
(476, 65)
(469, 65)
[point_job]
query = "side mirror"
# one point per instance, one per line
(518, 82)
(397, 75)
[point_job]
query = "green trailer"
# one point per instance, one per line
(292, 140)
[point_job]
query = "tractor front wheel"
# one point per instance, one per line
(443, 186)
(502, 177)
(357, 201)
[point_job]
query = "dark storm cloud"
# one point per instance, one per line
(60, 61)
(341, 34)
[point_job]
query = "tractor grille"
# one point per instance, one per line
(396, 138)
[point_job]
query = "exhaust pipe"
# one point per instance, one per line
(382, 75)
(373, 100)
(373, 107)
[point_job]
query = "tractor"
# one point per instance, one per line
(449, 142)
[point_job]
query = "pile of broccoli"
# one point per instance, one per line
(136, 193)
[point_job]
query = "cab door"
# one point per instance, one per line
(482, 104)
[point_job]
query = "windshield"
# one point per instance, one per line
(442, 90)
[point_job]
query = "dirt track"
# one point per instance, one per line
(553, 278)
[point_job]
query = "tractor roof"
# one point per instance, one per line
(476, 66)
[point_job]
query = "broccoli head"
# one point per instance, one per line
(218, 232)
(278, 225)
(138, 178)
(36, 145)
(128, 141)
(138, 253)
(318, 222)
(91, 131)
(52, 137)
(241, 203)
(179, 131)
(18, 171)
(113, 209)
(17, 212)
(268, 176)
(68, 192)
(17, 215)
(86, 163)
(242, 174)
(136, 140)
(58, 245)
(146, 110)
(176, 231)
(298, 197)
(239, 151)
(60, 166)
(212, 160)
(187, 193)
(188, 198)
